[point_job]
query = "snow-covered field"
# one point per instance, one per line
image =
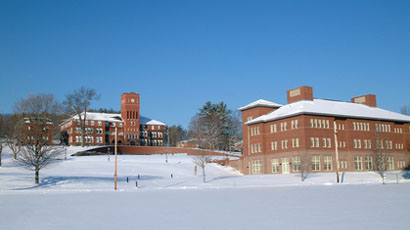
(78, 194)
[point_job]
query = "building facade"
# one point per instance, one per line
(306, 133)
(132, 128)
(38, 130)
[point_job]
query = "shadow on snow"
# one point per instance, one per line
(51, 181)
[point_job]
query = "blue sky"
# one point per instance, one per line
(179, 54)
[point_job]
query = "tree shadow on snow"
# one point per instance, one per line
(406, 175)
(222, 178)
(51, 181)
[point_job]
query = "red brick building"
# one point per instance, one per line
(132, 128)
(36, 129)
(307, 132)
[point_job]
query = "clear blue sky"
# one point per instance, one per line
(180, 54)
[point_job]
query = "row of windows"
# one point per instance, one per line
(326, 142)
(132, 115)
(153, 134)
(257, 167)
(398, 130)
(401, 164)
(255, 131)
(29, 128)
(153, 142)
(318, 123)
(132, 136)
(273, 128)
(31, 138)
(399, 146)
(99, 140)
(340, 126)
(152, 127)
(284, 126)
(357, 144)
(383, 128)
(327, 164)
(388, 144)
(361, 126)
(256, 148)
(91, 122)
(284, 144)
(98, 131)
(341, 144)
(296, 164)
(119, 134)
(114, 124)
(294, 124)
(132, 129)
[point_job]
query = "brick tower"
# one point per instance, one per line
(130, 108)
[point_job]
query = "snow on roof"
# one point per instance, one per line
(331, 108)
(149, 121)
(111, 117)
(116, 117)
(262, 103)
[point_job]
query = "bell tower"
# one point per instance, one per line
(130, 108)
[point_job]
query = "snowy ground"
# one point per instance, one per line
(78, 194)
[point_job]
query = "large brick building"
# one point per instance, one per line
(284, 138)
(132, 128)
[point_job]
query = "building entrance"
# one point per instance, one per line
(285, 166)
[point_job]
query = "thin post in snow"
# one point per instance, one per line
(115, 167)
(336, 152)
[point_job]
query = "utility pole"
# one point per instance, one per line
(337, 152)
(115, 167)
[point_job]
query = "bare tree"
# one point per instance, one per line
(35, 153)
(305, 165)
(405, 110)
(207, 131)
(13, 132)
(234, 130)
(379, 154)
(176, 134)
(78, 103)
(196, 131)
(201, 162)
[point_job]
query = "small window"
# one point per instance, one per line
(275, 165)
(358, 163)
(316, 163)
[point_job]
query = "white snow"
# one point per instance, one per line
(260, 102)
(78, 194)
(114, 117)
(331, 108)
(111, 117)
(149, 121)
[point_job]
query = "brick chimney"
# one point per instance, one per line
(368, 99)
(299, 94)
